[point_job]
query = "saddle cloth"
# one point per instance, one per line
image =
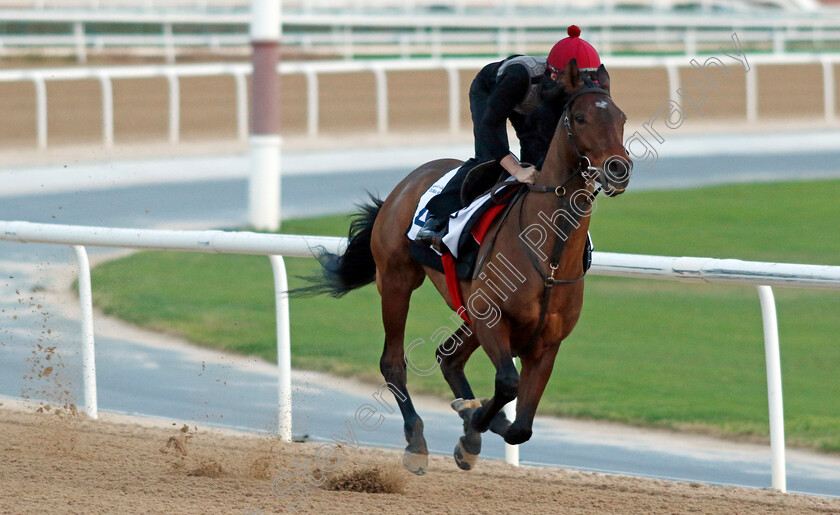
(466, 230)
(460, 222)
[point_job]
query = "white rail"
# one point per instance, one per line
(686, 269)
(380, 69)
(355, 30)
(393, 5)
(273, 246)
(406, 43)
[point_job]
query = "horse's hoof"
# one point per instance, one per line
(460, 405)
(416, 463)
(517, 434)
(500, 424)
(464, 459)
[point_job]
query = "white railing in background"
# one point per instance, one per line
(356, 32)
(313, 69)
(404, 5)
(687, 269)
(434, 42)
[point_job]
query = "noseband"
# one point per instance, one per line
(584, 164)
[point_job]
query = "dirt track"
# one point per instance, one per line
(68, 464)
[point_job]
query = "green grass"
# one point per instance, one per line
(645, 352)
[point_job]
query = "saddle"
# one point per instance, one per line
(475, 227)
(480, 179)
(500, 197)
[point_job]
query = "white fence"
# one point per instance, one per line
(380, 69)
(355, 32)
(687, 269)
(401, 5)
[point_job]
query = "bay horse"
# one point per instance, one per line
(540, 245)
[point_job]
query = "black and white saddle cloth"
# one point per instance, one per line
(458, 239)
(460, 222)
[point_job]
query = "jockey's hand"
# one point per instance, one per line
(527, 174)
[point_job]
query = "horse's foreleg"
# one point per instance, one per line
(536, 370)
(452, 356)
(395, 302)
(496, 344)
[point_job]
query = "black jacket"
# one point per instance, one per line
(492, 101)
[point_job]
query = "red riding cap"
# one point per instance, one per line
(570, 48)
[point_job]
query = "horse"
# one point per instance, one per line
(536, 252)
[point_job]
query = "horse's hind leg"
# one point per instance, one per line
(452, 356)
(395, 290)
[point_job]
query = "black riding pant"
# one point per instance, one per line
(449, 200)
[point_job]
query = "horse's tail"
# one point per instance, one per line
(355, 267)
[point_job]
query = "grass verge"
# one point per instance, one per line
(645, 352)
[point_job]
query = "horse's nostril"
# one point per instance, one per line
(619, 169)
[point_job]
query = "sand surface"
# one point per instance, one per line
(67, 463)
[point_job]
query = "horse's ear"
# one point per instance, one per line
(603, 78)
(571, 77)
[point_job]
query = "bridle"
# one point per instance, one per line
(584, 164)
(569, 222)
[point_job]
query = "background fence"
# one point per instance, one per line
(353, 31)
(407, 5)
(687, 269)
(135, 103)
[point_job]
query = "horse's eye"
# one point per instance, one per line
(579, 118)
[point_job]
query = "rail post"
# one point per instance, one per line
(40, 110)
(169, 43)
(454, 99)
(512, 451)
(107, 110)
(241, 105)
(174, 107)
(312, 102)
(265, 141)
(88, 355)
(828, 89)
(673, 81)
(774, 387)
(284, 353)
(79, 39)
(381, 100)
(752, 94)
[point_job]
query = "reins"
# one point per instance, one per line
(570, 220)
(584, 165)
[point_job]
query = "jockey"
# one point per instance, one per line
(527, 91)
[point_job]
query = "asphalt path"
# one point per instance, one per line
(143, 373)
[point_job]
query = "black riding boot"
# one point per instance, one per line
(432, 232)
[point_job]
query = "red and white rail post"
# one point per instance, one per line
(264, 186)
